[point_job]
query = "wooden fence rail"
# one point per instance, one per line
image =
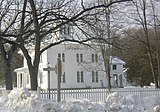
(98, 94)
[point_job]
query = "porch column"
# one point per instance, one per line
(18, 80)
(23, 81)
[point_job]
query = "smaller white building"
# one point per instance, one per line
(117, 75)
(83, 68)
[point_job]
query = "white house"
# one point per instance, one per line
(83, 68)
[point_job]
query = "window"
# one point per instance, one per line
(96, 76)
(77, 57)
(114, 67)
(59, 55)
(78, 76)
(92, 57)
(63, 57)
(96, 58)
(82, 77)
(93, 78)
(64, 77)
(81, 57)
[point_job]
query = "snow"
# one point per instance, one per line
(115, 60)
(21, 100)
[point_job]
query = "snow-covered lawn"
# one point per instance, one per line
(21, 100)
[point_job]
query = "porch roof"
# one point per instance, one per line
(22, 69)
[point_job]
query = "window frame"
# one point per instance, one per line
(92, 57)
(63, 57)
(114, 67)
(59, 55)
(93, 77)
(78, 77)
(96, 57)
(82, 76)
(77, 57)
(81, 57)
(96, 76)
(64, 78)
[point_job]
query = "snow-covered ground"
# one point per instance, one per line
(21, 100)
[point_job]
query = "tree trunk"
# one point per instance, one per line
(106, 66)
(157, 42)
(8, 75)
(145, 27)
(33, 71)
(152, 69)
(158, 67)
(34, 82)
(108, 76)
(7, 57)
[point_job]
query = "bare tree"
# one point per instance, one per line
(156, 31)
(144, 16)
(106, 30)
(40, 20)
(7, 19)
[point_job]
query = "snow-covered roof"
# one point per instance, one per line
(22, 69)
(115, 60)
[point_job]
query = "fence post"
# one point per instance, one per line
(140, 93)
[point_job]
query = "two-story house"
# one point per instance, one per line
(83, 68)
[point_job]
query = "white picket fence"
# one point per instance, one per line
(98, 94)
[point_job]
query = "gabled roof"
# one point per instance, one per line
(115, 60)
